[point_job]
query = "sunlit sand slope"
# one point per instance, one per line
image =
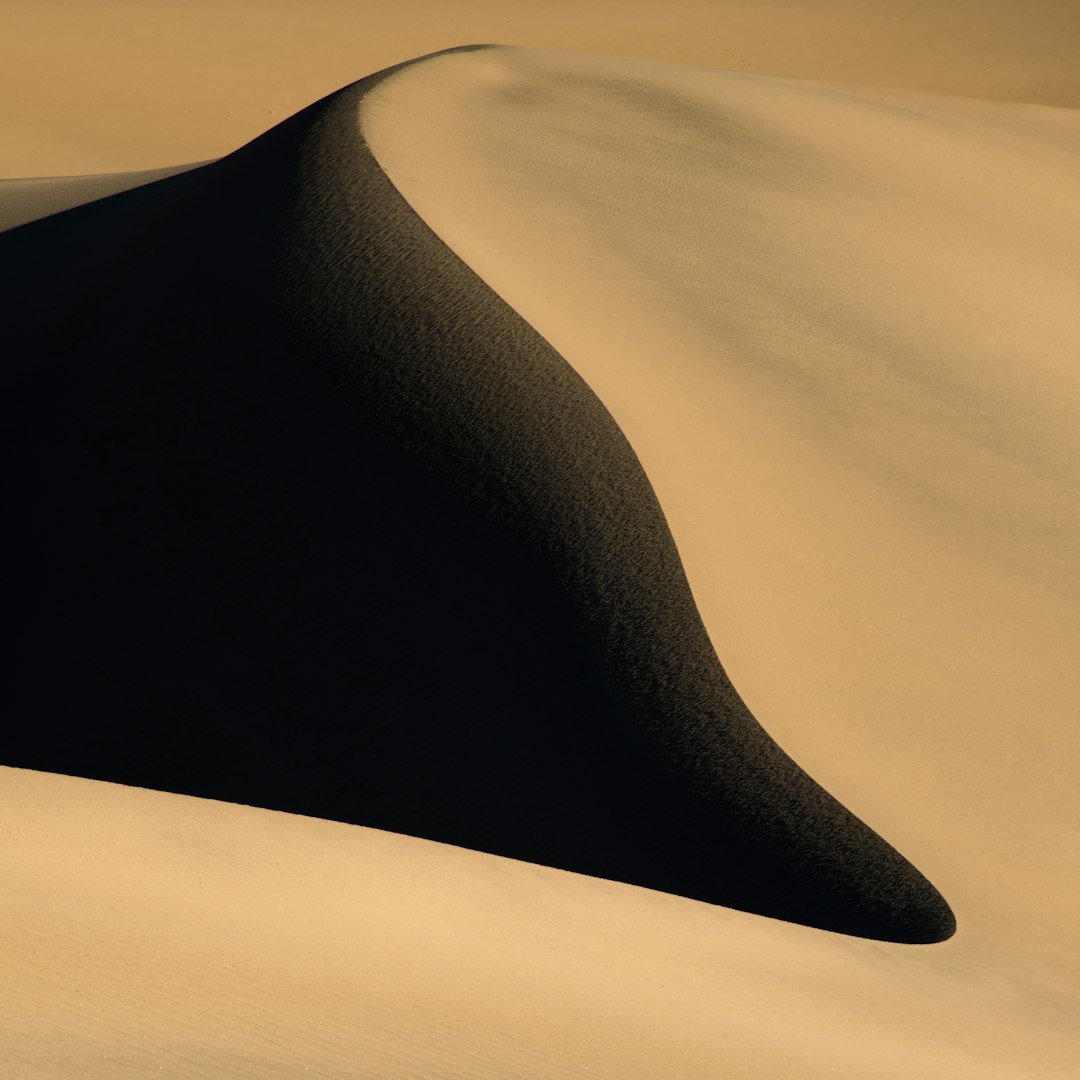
(104, 85)
(311, 519)
(840, 330)
(146, 934)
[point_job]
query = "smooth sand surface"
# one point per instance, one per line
(839, 330)
(27, 200)
(116, 86)
(148, 934)
(315, 521)
(886, 569)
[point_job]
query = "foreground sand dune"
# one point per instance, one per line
(839, 328)
(892, 451)
(151, 934)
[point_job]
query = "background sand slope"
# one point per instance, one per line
(22, 201)
(115, 85)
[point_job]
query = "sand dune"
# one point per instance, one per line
(296, 467)
(147, 933)
(445, 602)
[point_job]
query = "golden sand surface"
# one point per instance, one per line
(116, 86)
(148, 934)
(838, 325)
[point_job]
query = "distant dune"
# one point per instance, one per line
(22, 201)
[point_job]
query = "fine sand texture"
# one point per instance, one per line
(413, 465)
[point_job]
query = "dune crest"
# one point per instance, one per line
(152, 933)
(110, 85)
(225, 538)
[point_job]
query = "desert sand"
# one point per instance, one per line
(150, 933)
(838, 329)
(834, 324)
(114, 86)
(27, 200)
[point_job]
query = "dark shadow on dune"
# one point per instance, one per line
(305, 516)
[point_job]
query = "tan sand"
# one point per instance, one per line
(28, 200)
(111, 85)
(839, 330)
(860, 299)
(154, 935)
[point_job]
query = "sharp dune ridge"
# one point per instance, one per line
(315, 521)
(111, 85)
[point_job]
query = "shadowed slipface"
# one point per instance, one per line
(309, 518)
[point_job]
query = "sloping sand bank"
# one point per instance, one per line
(147, 934)
(27, 200)
(314, 521)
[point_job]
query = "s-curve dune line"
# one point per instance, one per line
(318, 522)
